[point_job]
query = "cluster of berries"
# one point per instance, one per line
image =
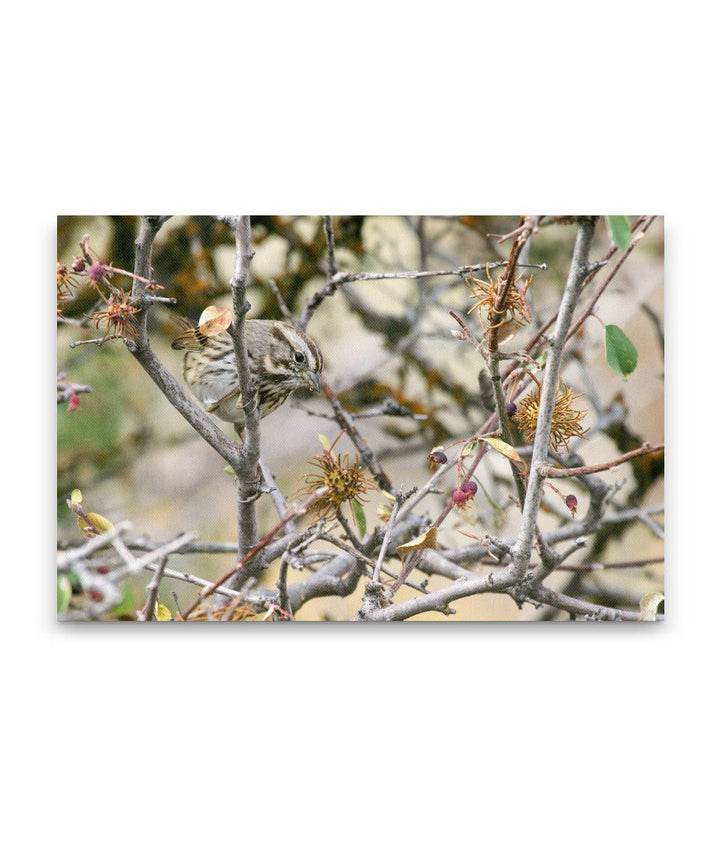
(466, 491)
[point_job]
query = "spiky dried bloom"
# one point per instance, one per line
(117, 319)
(566, 421)
(485, 294)
(345, 481)
(65, 284)
(241, 612)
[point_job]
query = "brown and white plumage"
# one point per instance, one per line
(282, 359)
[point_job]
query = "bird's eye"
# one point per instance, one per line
(299, 357)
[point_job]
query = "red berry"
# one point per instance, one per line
(73, 402)
(95, 595)
(459, 496)
(469, 487)
(572, 503)
(103, 569)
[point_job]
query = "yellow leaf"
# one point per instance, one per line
(384, 512)
(389, 496)
(324, 442)
(426, 541)
(76, 496)
(649, 605)
(214, 321)
(468, 447)
(504, 448)
(162, 613)
(100, 523)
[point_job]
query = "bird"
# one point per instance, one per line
(282, 359)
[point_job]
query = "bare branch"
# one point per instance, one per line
(646, 449)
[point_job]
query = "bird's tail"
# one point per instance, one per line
(191, 339)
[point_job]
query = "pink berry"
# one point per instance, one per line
(469, 487)
(459, 496)
(572, 503)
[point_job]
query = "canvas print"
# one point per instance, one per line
(360, 418)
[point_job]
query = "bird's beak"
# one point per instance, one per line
(313, 381)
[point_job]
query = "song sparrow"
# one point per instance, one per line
(282, 359)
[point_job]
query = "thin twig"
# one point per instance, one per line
(645, 449)
(146, 613)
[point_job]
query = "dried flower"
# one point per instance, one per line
(566, 421)
(437, 457)
(517, 309)
(65, 282)
(345, 482)
(78, 264)
(117, 319)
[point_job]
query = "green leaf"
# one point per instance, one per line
(359, 515)
(324, 442)
(76, 496)
(621, 232)
(228, 470)
(64, 593)
(127, 603)
(620, 353)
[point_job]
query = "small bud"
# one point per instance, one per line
(572, 503)
(437, 458)
(78, 264)
(95, 595)
(96, 271)
(469, 488)
(73, 402)
(511, 409)
(459, 497)
(103, 569)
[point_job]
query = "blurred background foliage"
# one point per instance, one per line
(136, 458)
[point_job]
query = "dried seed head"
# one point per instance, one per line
(486, 293)
(117, 319)
(566, 421)
(344, 479)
